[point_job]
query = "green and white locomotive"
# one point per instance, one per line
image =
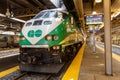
(49, 40)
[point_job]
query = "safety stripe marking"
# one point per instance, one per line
(6, 72)
(9, 50)
(115, 56)
(72, 72)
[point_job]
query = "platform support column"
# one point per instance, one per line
(107, 29)
(94, 43)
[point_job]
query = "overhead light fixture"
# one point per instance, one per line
(16, 19)
(2, 15)
(19, 20)
(98, 1)
(94, 12)
(114, 15)
(118, 13)
(2, 25)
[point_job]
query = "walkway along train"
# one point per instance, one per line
(49, 40)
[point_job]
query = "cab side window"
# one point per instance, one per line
(64, 15)
(60, 15)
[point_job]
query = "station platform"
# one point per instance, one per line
(87, 65)
(93, 65)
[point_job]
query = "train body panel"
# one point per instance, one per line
(45, 38)
(42, 31)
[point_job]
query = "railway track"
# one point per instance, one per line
(31, 76)
(22, 75)
(17, 75)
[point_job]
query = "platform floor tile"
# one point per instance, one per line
(93, 66)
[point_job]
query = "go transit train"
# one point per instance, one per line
(48, 40)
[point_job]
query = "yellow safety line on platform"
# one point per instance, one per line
(8, 50)
(115, 56)
(72, 72)
(6, 72)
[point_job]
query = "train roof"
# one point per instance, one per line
(57, 9)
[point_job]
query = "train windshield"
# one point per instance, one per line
(46, 14)
(39, 15)
(50, 14)
(29, 24)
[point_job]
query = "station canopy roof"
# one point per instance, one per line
(20, 9)
(26, 9)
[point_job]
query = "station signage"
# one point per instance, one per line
(94, 19)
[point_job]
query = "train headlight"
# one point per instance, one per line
(22, 38)
(56, 47)
(55, 37)
(48, 37)
(47, 22)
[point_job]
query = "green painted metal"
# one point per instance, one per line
(24, 42)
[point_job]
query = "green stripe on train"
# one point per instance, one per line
(24, 42)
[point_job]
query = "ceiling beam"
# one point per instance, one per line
(27, 15)
(1, 19)
(69, 4)
(48, 4)
(25, 2)
(15, 4)
(39, 4)
(27, 11)
(80, 12)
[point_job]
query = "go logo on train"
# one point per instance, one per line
(33, 33)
